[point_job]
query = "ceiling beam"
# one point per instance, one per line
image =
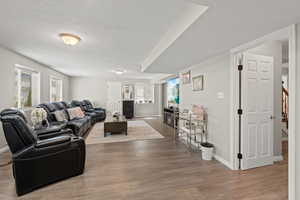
(192, 13)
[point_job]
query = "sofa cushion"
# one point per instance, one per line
(80, 126)
(60, 116)
(75, 113)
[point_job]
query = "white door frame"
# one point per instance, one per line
(286, 33)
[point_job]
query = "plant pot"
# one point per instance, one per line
(38, 126)
(207, 151)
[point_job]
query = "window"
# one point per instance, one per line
(144, 93)
(55, 89)
(140, 92)
(27, 87)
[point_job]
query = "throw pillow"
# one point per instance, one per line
(60, 115)
(75, 113)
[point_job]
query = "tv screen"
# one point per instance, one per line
(173, 91)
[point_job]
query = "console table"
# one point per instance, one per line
(170, 118)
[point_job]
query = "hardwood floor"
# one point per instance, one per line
(157, 169)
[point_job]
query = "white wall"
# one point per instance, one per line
(274, 49)
(150, 109)
(297, 135)
(216, 79)
(8, 60)
(95, 89)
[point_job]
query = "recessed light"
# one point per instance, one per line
(69, 39)
(119, 71)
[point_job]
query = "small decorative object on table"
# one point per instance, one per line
(39, 118)
(116, 115)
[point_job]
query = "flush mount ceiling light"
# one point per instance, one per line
(69, 39)
(119, 71)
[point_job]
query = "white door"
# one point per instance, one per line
(114, 97)
(257, 105)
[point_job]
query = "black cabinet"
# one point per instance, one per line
(128, 109)
(169, 117)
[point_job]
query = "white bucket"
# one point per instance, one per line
(207, 152)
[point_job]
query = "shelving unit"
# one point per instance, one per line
(191, 130)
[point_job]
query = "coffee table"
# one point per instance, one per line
(113, 125)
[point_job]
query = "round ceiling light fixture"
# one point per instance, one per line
(70, 39)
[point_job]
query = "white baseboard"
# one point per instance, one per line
(4, 149)
(223, 161)
(143, 116)
(277, 158)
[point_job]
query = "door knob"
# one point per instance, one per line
(272, 117)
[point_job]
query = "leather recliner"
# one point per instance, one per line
(79, 126)
(37, 163)
(101, 111)
(52, 131)
(97, 116)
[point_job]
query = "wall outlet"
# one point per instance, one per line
(220, 95)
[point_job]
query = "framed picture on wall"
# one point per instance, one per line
(186, 77)
(198, 82)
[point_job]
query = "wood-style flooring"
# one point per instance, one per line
(159, 169)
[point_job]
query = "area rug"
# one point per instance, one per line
(137, 130)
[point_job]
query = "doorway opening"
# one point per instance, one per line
(263, 103)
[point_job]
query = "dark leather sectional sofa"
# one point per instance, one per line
(79, 126)
(42, 157)
(97, 114)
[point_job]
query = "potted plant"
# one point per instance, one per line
(39, 118)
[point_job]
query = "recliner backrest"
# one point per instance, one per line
(59, 105)
(66, 105)
(50, 109)
(84, 106)
(88, 104)
(11, 111)
(17, 132)
(80, 104)
(62, 107)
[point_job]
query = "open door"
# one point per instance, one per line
(257, 105)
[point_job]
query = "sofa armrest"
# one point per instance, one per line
(64, 139)
(102, 109)
(89, 110)
(47, 130)
(47, 162)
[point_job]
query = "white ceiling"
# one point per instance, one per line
(116, 34)
(126, 33)
(226, 24)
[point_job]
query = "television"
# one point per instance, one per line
(173, 91)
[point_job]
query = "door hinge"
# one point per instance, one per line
(240, 156)
(240, 111)
(240, 67)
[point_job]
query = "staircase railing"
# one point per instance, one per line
(285, 106)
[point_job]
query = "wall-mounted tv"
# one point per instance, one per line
(173, 91)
